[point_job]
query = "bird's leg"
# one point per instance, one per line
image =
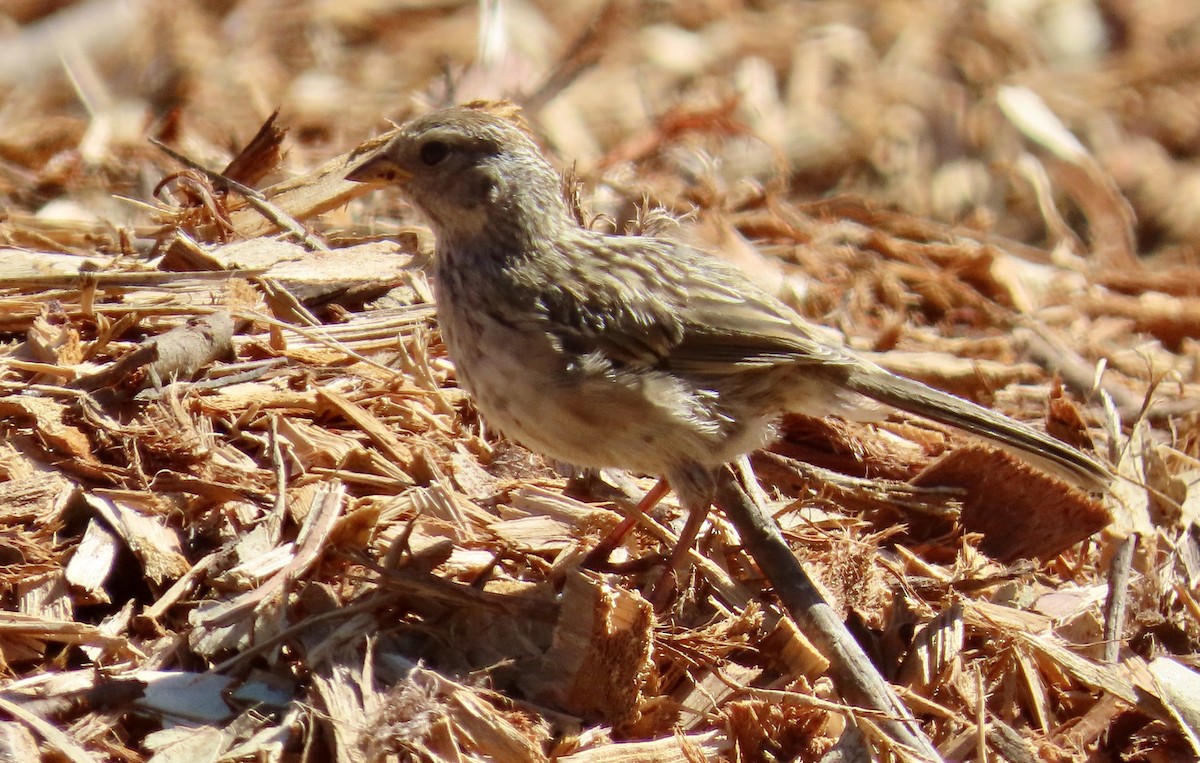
(597, 558)
(678, 562)
(695, 485)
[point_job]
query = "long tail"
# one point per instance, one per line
(1037, 447)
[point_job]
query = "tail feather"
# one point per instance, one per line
(1036, 447)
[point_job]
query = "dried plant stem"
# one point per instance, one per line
(1118, 594)
(854, 675)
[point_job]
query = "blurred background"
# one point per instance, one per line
(897, 102)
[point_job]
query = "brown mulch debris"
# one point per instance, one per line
(246, 512)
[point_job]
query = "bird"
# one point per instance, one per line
(636, 352)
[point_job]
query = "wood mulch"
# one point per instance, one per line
(246, 513)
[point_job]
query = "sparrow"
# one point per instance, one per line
(634, 352)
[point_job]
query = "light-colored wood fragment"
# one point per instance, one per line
(709, 745)
(709, 691)
(381, 435)
(793, 648)
(17, 742)
(157, 547)
(534, 534)
(50, 418)
(935, 646)
(92, 563)
(328, 504)
(600, 658)
(1035, 691)
(182, 744)
(68, 632)
(46, 595)
(1179, 687)
(55, 737)
(1081, 669)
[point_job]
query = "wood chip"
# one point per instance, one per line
(1021, 512)
(600, 657)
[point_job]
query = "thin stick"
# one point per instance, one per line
(1114, 606)
(853, 674)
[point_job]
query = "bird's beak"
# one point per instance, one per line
(378, 169)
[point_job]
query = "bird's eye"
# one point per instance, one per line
(434, 152)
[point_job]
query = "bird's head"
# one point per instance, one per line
(471, 173)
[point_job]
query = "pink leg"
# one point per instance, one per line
(598, 556)
(677, 562)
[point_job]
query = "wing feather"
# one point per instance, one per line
(656, 304)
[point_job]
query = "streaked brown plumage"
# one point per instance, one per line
(628, 351)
